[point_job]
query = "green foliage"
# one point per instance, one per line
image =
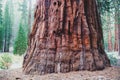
(1, 37)
(1, 19)
(7, 27)
(104, 5)
(108, 5)
(20, 42)
(1, 26)
(5, 61)
(23, 8)
(113, 60)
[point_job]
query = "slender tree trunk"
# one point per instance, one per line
(116, 32)
(66, 36)
(6, 48)
(117, 15)
(110, 46)
(119, 30)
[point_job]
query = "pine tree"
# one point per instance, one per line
(1, 27)
(7, 27)
(11, 12)
(1, 37)
(24, 15)
(20, 44)
(1, 12)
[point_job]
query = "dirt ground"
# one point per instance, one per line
(111, 73)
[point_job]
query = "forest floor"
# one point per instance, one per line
(111, 73)
(15, 73)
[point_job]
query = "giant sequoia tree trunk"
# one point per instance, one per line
(66, 36)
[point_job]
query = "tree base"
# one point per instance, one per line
(62, 62)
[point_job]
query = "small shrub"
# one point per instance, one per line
(113, 60)
(5, 61)
(20, 44)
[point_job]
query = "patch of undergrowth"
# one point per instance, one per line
(5, 61)
(113, 60)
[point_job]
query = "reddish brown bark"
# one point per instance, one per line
(66, 36)
(110, 46)
(119, 32)
(116, 33)
(119, 36)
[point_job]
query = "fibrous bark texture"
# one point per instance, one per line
(66, 36)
